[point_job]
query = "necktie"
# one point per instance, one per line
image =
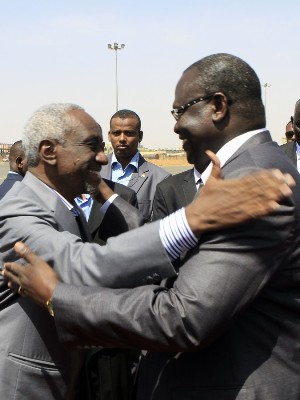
(81, 223)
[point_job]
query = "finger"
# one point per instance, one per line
(25, 252)
(216, 169)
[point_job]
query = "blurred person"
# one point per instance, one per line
(126, 165)
(292, 149)
(17, 168)
(228, 325)
(289, 131)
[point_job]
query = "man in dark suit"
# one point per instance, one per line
(173, 193)
(292, 149)
(17, 168)
(228, 326)
(126, 165)
(92, 209)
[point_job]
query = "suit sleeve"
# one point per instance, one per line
(120, 217)
(134, 258)
(220, 278)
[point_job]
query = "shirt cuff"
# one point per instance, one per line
(176, 235)
(108, 202)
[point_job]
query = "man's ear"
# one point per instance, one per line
(220, 107)
(19, 162)
(108, 136)
(141, 134)
(47, 151)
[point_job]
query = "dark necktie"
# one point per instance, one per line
(82, 225)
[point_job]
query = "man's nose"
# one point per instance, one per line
(101, 158)
(122, 138)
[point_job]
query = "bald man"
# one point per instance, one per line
(17, 168)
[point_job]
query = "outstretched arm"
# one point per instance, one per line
(222, 204)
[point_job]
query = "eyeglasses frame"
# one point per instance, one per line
(177, 112)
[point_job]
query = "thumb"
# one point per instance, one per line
(216, 169)
(25, 252)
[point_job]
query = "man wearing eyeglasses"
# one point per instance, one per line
(289, 131)
(126, 165)
(292, 147)
(228, 326)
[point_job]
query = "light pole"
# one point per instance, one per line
(116, 47)
(266, 86)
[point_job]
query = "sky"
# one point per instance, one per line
(56, 51)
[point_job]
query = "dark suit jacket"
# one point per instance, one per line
(143, 182)
(229, 326)
(115, 221)
(8, 183)
(290, 151)
(173, 193)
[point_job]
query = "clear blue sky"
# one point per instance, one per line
(56, 51)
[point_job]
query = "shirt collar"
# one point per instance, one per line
(229, 149)
(297, 150)
(134, 161)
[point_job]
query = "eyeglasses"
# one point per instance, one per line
(289, 134)
(177, 112)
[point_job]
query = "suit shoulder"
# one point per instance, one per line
(174, 180)
(287, 146)
(155, 169)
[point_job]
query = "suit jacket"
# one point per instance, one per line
(115, 221)
(290, 151)
(143, 182)
(8, 183)
(33, 364)
(229, 326)
(173, 193)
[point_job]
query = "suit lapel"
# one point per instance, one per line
(257, 139)
(49, 199)
(189, 186)
(140, 176)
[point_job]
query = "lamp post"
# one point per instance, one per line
(266, 86)
(116, 47)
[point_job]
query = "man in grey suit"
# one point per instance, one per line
(17, 168)
(126, 165)
(228, 326)
(292, 149)
(64, 149)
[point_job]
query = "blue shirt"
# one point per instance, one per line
(123, 176)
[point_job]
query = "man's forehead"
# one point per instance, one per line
(123, 122)
(187, 87)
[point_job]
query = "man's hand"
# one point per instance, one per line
(225, 203)
(100, 191)
(35, 279)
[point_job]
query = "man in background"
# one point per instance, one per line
(126, 165)
(292, 148)
(17, 168)
(289, 131)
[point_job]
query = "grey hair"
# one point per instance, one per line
(49, 122)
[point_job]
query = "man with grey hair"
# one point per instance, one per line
(64, 148)
(17, 167)
(228, 326)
